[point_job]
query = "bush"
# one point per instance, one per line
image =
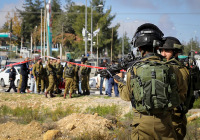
(104, 111)
(196, 103)
(25, 115)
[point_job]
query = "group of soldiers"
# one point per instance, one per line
(50, 77)
(159, 86)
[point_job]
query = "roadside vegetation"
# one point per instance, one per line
(113, 112)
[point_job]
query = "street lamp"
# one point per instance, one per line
(100, 5)
(86, 28)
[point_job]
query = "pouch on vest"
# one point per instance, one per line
(154, 87)
(69, 72)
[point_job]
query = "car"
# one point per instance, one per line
(4, 77)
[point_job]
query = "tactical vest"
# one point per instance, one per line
(153, 87)
(69, 72)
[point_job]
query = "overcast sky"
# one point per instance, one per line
(179, 18)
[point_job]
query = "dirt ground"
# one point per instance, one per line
(75, 124)
(67, 128)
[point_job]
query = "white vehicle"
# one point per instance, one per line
(4, 77)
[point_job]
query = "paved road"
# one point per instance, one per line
(93, 91)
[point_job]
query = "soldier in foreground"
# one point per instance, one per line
(170, 50)
(152, 96)
(38, 73)
(68, 76)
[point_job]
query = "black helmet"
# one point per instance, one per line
(172, 43)
(147, 35)
(71, 60)
(84, 59)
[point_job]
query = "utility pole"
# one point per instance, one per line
(62, 45)
(31, 44)
(44, 27)
(41, 35)
(111, 44)
(91, 32)
(123, 46)
(97, 48)
(86, 28)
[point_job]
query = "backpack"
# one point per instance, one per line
(153, 87)
(69, 72)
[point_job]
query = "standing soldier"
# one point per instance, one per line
(151, 87)
(85, 71)
(38, 75)
(170, 50)
(88, 79)
(45, 76)
(76, 79)
(51, 76)
(59, 74)
(68, 76)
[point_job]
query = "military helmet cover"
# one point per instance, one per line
(172, 43)
(146, 34)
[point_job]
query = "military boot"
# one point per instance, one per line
(51, 95)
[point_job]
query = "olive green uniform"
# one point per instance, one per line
(149, 126)
(45, 78)
(20, 83)
(59, 74)
(179, 119)
(51, 77)
(38, 72)
(69, 80)
(85, 79)
(76, 79)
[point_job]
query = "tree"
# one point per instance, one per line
(76, 17)
(13, 25)
(127, 45)
(30, 16)
(192, 45)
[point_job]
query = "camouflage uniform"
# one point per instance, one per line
(59, 74)
(85, 79)
(147, 126)
(38, 73)
(51, 78)
(179, 119)
(20, 84)
(69, 80)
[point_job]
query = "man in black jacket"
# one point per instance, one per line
(24, 73)
(12, 77)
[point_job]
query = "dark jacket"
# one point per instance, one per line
(12, 74)
(24, 69)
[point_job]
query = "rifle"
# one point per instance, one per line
(112, 70)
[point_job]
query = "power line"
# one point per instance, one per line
(196, 13)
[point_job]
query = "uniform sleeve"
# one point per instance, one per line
(64, 73)
(125, 90)
(182, 88)
(33, 70)
(185, 76)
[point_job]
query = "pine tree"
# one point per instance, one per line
(31, 16)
